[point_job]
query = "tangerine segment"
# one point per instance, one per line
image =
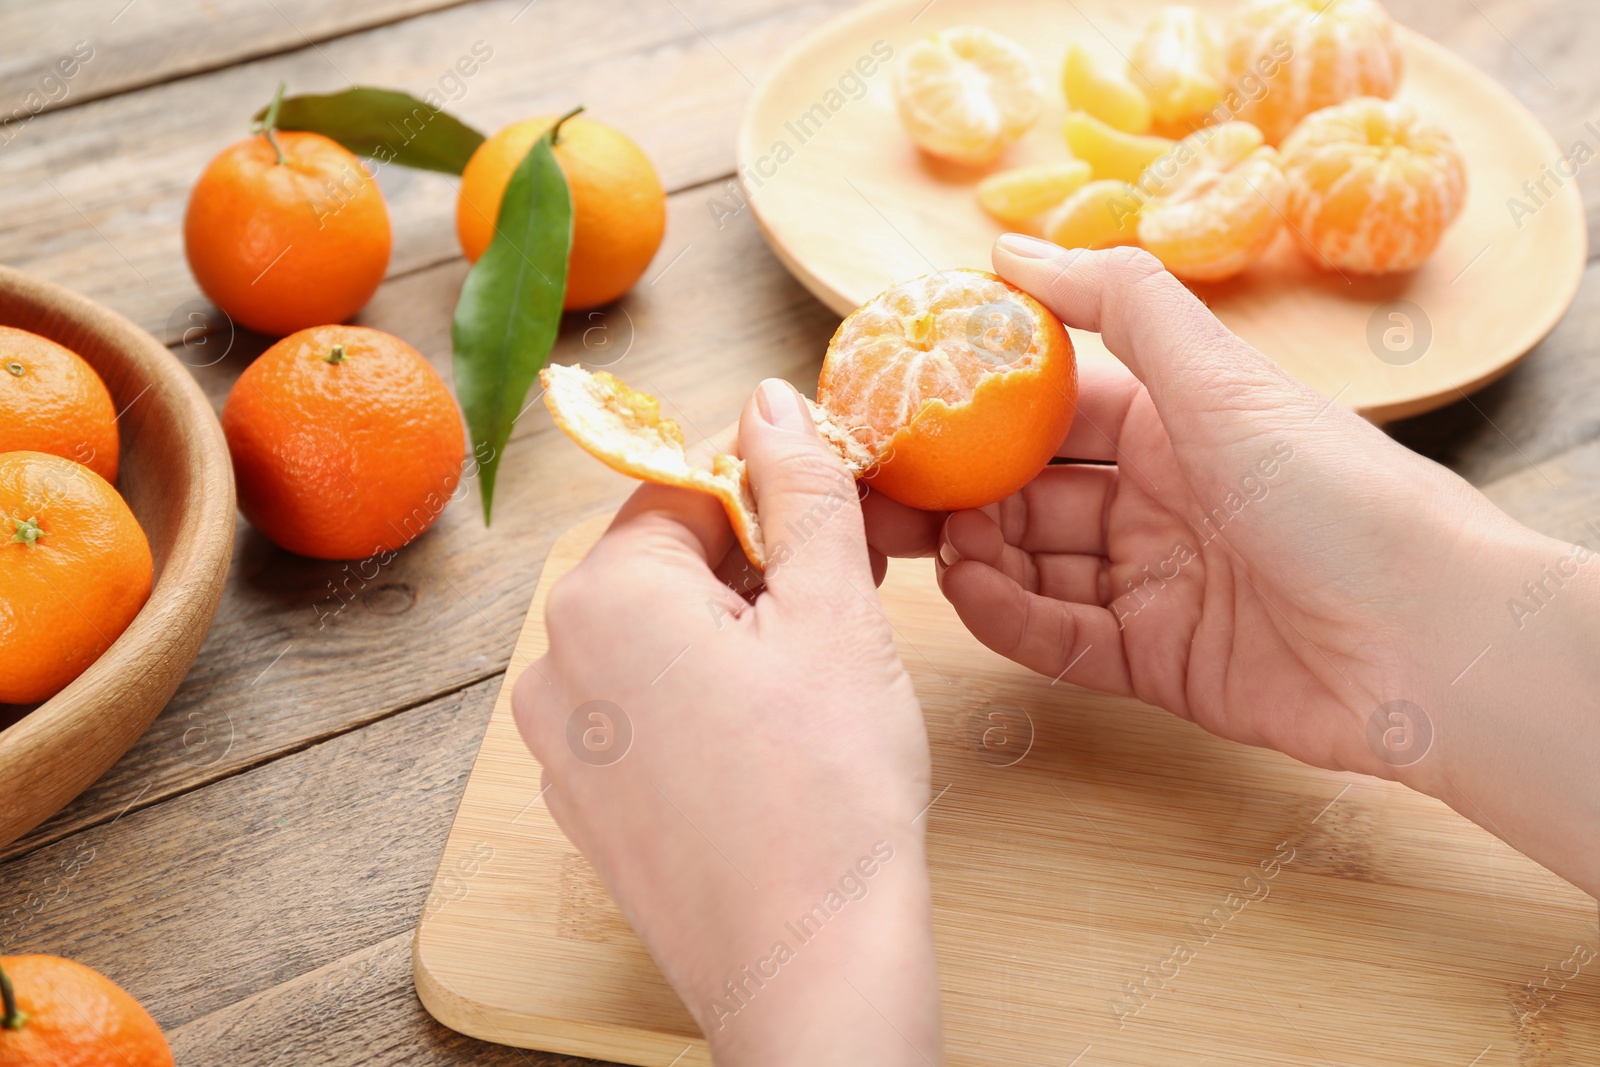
(1372, 188)
(966, 93)
(1307, 55)
(961, 385)
(1216, 203)
(1020, 195)
(1105, 94)
(1110, 153)
(1178, 61)
(1100, 215)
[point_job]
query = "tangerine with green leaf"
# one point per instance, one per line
(619, 210)
(286, 230)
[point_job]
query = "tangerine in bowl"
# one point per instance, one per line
(173, 475)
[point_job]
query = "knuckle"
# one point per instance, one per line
(1136, 264)
(565, 599)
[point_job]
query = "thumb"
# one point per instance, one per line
(1198, 372)
(810, 512)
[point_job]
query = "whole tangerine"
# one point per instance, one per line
(960, 385)
(1372, 187)
(619, 210)
(75, 569)
(52, 401)
(287, 231)
(1305, 55)
(59, 1013)
(345, 442)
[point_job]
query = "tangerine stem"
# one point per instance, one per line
(555, 131)
(335, 354)
(269, 123)
(27, 532)
(14, 1018)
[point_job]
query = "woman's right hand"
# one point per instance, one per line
(1254, 558)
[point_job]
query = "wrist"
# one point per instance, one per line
(846, 974)
(1516, 734)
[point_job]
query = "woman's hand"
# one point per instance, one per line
(761, 825)
(1270, 566)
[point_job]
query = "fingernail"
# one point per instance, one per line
(1020, 244)
(948, 554)
(782, 407)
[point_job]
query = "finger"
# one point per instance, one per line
(897, 530)
(880, 565)
(1106, 390)
(1066, 642)
(1062, 510)
(810, 514)
(1195, 369)
(1082, 579)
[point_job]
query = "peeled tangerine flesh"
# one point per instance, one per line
(1215, 204)
(1110, 153)
(1178, 62)
(1100, 215)
(1022, 194)
(1105, 94)
(624, 430)
(966, 93)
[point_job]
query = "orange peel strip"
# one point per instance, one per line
(623, 428)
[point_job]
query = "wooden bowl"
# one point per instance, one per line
(176, 476)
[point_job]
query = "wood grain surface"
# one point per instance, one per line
(91, 196)
(1070, 856)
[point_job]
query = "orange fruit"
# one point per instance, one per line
(1215, 205)
(1372, 188)
(948, 391)
(74, 1016)
(960, 385)
(1300, 56)
(52, 401)
(75, 569)
(345, 443)
(1177, 61)
(619, 211)
(284, 244)
(966, 93)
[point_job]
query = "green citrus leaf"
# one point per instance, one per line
(510, 307)
(382, 124)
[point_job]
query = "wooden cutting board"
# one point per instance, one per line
(1111, 886)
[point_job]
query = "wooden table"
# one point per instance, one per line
(253, 868)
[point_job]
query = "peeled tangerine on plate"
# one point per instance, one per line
(1178, 62)
(1372, 188)
(1105, 94)
(948, 391)
(1288, 58)
(1019, 195)
(966, 93)
(1215, 203)
(1110, 153)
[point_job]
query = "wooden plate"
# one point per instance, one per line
(851, 207)
(1111, 885)
(176, 476)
